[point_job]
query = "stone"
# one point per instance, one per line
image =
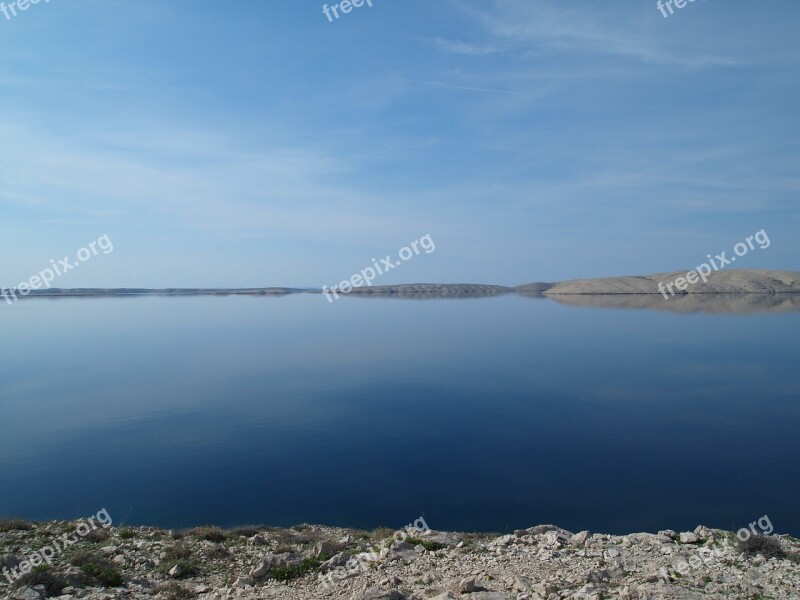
(258, 540)
(669, 534)
(441, 537)
(466, 586)
(27, 593)
(704, 532)
(340, 560)
(689, 537)
(326, 548)
(402, 551)
(580, 539)
(379, 594)
(243, 582)
(261, 570)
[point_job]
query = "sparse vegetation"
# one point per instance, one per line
(97, 535)
(209, 534)
(381, 533)
(246, 530)
(104, 574)
(429, 546)
(177, 552)
(173, 590)
(186, 568)
(7, 525)
(766, 546)
(96, 569)
(42, 575)
(295, 571)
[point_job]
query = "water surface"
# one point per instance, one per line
(482, 414)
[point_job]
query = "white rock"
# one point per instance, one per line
(688, 537)
(466, 586)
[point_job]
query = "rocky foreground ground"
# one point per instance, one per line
(307, 561)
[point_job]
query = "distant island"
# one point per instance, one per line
(742, 281)
(722, 291)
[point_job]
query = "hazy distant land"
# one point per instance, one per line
(725, 291)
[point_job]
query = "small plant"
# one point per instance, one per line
(97, 535)
(290, 572)
(247, 530)
(177, 552)
(81, 557)
(96, 569)
(186, 568)
(7, 525)
(380, 533)
(429, 546)
(127, 534)
(41, 575)
(209, 534)
(104, 574)
(761, 544)
(217, 553)
(173, 590)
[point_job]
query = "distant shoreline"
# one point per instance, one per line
(721, 282)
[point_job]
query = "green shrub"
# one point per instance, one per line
(177, 552)
(210, 534)
(246, 530)
(289, 572)
(430, 546)
(96, 569)
(8, 524)
(173, 590)
(104, 574)
(761, 544)
(186, 568)
(41, 575)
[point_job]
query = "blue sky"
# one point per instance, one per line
(255, 143)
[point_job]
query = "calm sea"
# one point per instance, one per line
(480, 414)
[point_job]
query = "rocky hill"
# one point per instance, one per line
(314, 562)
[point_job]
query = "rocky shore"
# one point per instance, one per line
(311, 562)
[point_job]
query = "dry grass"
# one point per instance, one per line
(9, 524)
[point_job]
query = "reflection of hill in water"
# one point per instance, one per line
(689, 303)
(720, 303)
(429, 291)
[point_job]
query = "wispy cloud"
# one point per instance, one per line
(459, 47)
(545, 26)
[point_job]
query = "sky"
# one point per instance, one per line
(257, 143)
